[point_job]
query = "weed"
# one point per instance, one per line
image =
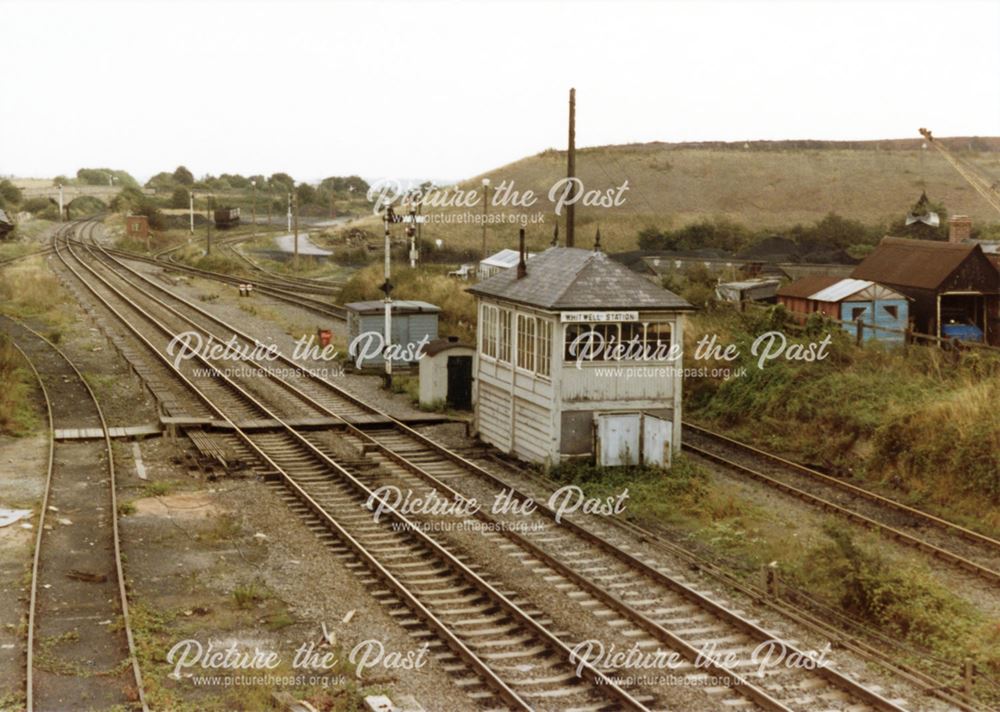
(247, 595)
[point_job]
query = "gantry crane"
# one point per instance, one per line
(988, 190)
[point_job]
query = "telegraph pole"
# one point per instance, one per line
(486, 203)
(191, 210)
(571, 168)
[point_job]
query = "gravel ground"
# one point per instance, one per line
(23, 464)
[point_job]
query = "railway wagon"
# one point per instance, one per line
(227, 217)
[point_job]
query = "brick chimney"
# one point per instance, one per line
(522, 264)
(959, 228)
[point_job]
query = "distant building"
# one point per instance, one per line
(751, 290)
(848, 300)
(545, 393)
(502, 260)
(136, 227)
(952, 285)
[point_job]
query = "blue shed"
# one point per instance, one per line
(413, 323)
(873, 303)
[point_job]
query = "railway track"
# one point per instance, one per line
(309, 284)
(280, 291)
(501, 651)
(652, 601)
(80, 649)
(967, 550)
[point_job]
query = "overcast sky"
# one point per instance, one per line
(451, 89)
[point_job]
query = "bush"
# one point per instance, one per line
(10, 193)
(180, 198)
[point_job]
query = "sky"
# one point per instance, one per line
(448, 90)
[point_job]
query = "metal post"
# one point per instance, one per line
(191, 209)
(411, 230)
(571, 168)
(295, 204)
(253, 183)
(388, 301)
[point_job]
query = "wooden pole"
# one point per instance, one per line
(571, 167)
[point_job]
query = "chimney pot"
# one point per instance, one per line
(959, 228)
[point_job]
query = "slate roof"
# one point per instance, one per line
(924, 264)
(566, 278)
(805, 287)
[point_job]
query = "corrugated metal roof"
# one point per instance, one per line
(923, 264)
(504, 258)
(841, 290)
(398, 307)
(564, 278)
(805, 287)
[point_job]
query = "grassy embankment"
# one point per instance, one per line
(28, 290)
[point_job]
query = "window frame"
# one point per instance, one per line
(504, 334)
(527, 337)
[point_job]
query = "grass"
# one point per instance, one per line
(247, 595)
(159, 488)
(763, 187)
(918, 423)
(19, 415)
(30, 290)
(428, 283)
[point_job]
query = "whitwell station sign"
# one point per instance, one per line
(587, 317)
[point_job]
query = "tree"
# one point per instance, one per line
(180, 198)
(162, 182)
(282, 181)
(306, 194)
(106, 176)
(236, 180)
(183, 176)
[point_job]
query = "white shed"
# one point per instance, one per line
(574, 361)
(502, 260)
(446, 371)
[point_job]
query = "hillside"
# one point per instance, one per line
(763, 184)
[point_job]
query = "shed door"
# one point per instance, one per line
(656, 440)
(460, 382)
(618, 439)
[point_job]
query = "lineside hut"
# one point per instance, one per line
(540, 399)
(955, 288)
(848, 300)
